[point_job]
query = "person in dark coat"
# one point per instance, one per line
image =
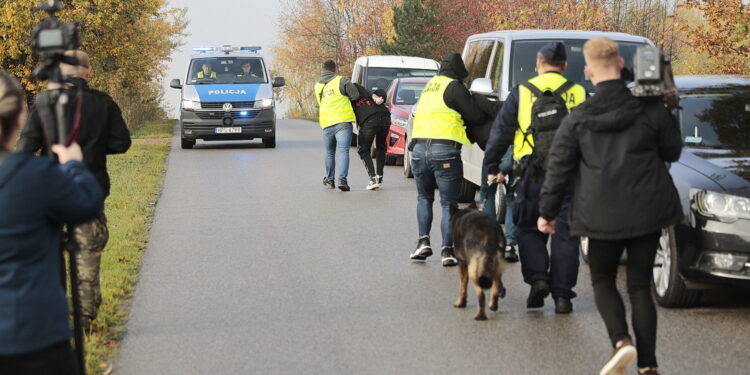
(615, 149)
(374, 121)
(102, 132)
(36, 197)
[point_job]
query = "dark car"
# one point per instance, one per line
(711, 247)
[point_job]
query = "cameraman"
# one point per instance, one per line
(614, 147)
(102, 131)
(36, 197)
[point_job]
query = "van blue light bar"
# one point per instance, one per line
(204, 49)
(250, 48)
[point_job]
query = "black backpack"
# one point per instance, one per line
(547, 113)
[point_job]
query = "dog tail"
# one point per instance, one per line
(484, 282)
(479, 270)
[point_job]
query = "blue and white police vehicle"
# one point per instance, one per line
(227, 95)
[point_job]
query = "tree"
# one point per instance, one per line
(411, 20)
(724, 35)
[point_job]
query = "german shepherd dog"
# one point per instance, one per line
(479, 245)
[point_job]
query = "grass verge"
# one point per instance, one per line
(136, 177)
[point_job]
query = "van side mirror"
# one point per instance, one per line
(175, 84)
(482, 86)
(278, 82)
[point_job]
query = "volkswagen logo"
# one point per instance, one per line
(227, 107)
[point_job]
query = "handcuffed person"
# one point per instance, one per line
(36, 197)
(102, 131)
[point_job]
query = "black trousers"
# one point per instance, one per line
(375, 128)
(604, 257)
(56, 360)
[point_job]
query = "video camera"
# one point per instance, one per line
(652, 76)
(51, 38)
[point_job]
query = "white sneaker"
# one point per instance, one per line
(622, 358)
(373, 185)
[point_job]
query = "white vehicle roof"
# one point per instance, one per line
(410, 62)
(562, 34)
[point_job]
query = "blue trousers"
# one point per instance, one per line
(559, 266)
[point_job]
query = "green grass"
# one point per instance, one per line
(153, 129)
(136, 182)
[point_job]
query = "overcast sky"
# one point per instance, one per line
(219, 22)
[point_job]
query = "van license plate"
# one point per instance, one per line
(232, 130)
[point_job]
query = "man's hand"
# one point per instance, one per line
(377, 99)
(546, 226)
(495, 178)
(66, 154)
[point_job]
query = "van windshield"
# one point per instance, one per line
(523, 59)
(226, 70)
(381, 78)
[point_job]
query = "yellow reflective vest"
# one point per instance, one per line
(335, 107)
(433, 118)
(201, 75)
(547, 81)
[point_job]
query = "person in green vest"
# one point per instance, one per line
(334, 94)
(206, 72)
(557, 273)
(438, 133)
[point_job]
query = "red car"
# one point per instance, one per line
(403, 93)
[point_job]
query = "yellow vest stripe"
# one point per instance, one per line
(433, 118)
(548, 81)
(335, 107)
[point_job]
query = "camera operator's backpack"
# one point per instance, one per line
(547, 113)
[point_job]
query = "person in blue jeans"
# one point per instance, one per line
(334, 94)
(487, 200)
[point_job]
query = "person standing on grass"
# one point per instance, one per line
(102, 131)
(614, 148)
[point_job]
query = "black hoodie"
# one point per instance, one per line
(614, 148)
(473, 109)
(365, 108)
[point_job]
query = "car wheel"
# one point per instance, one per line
(583, 245)
(500, 204)
(668, 286)
(468, 192)
(188, 143)
(269, 142)
(407, 164)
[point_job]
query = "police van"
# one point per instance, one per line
(227, 95)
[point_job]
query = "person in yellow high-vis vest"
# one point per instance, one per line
(556, 273)
(438, 133)
(334, 94)
(206, 72)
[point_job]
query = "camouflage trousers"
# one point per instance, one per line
(92, 237)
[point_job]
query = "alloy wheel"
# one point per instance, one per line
(663, 264)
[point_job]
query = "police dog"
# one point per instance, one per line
(479, 245)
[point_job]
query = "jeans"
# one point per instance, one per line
(604, 258)
(376, 127)
(436, 166)
(337, 137)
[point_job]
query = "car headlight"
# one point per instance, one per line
(722, 206)
(398, 121)
(190, 105)
(264, 103)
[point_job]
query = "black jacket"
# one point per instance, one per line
(614, 147)
(102, 131)
(365, 108)
(474, 109)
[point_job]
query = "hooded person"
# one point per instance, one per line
(443, 111)
(374, 121)
(334, 94)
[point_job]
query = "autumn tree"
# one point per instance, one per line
(129, 41)
(312, 31)
(724, 34)
(411, 21)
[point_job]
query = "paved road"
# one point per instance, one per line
(254, 268)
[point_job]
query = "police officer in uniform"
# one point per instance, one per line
(438, 134)
(556, 273)
(102, 132)
(246, 71)
(334, 94)
(206, 72)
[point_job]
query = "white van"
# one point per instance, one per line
(378, 71)
(500, 60)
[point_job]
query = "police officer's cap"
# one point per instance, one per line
(554, 51)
